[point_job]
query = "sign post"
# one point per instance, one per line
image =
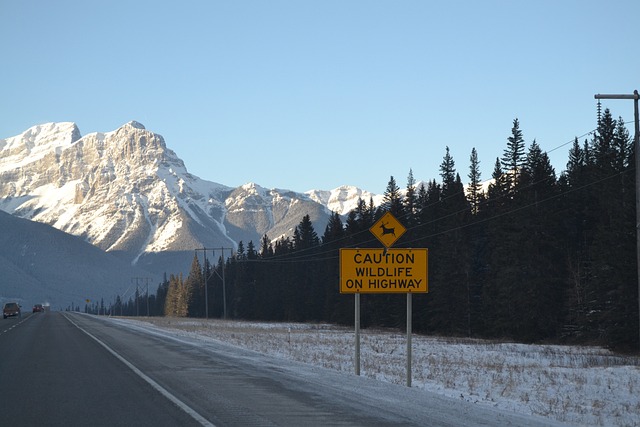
(384, 271)
(409, 319)
(357, 328)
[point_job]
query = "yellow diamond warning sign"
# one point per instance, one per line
(383, 270)
(387, 229)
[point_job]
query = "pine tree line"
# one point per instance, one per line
(534, 258)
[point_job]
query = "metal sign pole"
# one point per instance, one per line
(409, 318)
(406, 272)
(357, 327)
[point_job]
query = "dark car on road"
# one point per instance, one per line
(11, 309)
(38, 308)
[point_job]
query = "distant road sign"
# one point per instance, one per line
(387, 229)
(383, 271)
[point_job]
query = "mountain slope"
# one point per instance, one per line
(125, 192)
(122, 191)
(41, 264)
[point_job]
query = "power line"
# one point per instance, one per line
(313, 257)
(300, 256)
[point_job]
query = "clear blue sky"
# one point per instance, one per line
(316, 94)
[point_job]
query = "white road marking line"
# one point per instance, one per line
(186, 408)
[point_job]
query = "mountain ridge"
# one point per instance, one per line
(127, 193)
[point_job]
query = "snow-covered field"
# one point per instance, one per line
(584, 386)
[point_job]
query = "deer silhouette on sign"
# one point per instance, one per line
(386, 230)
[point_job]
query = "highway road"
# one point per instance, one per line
(60, 368)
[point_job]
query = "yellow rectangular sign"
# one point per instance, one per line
(380, 271)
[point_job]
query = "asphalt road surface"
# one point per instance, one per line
(70, 369)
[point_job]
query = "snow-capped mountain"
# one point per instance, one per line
(127, 193)
(343, 200)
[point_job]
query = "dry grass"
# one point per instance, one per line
(581, 385)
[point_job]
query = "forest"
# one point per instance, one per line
(532, 257)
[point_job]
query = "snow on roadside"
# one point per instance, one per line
(572, 384)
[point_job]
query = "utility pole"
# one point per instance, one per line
(224, 287)
(205, 279)
(138, 279)
(636, 148)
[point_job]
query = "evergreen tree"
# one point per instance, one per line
(430, 209)
(358, 223)
(410, 202)
(447, 173)
(334, 229)
(538, 259)
(305, 236)
(176, 304)
(474, 192)
(244, 282)
(194, 290)
(308, 284)
(352, 225)
(443, 215)
(450, 272)
(216, 286)
(513, 158)
(266, 248)
(498, 192)
(269, 292)
(505, 285)
(611, 287)
(541, 297)
(580, 216)
(575, 164)
(622, 147)
(421, 202)
(392, 199)
(603, 143)
(252, 254)
(161, 297)
(240, 254)
(337, 307)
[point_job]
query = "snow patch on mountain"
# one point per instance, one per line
(126, 192)
(37, 142)
(344, 199)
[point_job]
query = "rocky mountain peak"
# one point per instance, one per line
(136, 125)
(63, 133)
(36, 142)
(132, 142)
(125, 192)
